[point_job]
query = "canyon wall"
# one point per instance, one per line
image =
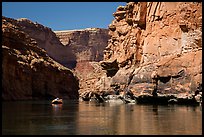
(155, 45)
(47, 40)
(148, 46)
(27, 70)
(88, 46)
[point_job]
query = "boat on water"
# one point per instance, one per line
(57, 101)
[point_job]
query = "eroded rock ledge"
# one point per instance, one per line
(47, 40)
(156, 48)
(87, 45)
(27, 70)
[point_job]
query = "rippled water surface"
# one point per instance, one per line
(88, 118)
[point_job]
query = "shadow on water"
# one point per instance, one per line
(38, 118)
(89, 118)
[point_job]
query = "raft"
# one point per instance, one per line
(57, 101)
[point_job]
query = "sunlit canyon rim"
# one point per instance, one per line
(149, 48)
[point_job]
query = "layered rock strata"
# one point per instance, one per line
(47, 40)
(27, 70)
(156, 47)
(88, 46)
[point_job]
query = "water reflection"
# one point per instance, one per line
(56, 109)
(89, 118)
(139, 119)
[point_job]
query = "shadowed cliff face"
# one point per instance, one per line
(88, 46)
(28, 72)
(47, 40)
(159, 41)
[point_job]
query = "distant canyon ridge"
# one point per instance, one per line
(147, 45)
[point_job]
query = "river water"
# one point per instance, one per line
(89, 118)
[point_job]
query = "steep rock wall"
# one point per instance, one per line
(27, 70)
(47, 40)
(156, 44)
(88, 46)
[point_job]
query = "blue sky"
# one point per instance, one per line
(63, 15)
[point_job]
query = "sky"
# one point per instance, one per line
(64, 15)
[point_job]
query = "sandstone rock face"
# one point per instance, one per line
(91, 77)
(156, 45)
(27, 70)
(88, 46)
(47, 40)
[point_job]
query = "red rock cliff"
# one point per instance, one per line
(47, 40)
(159, 41)
(88, 46)
(27, 70)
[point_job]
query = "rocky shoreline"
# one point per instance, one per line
(155, 51)
(144, 98)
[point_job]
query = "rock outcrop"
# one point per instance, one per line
(156, 47)
(27, 70)
(47, 40)
(88, 46)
